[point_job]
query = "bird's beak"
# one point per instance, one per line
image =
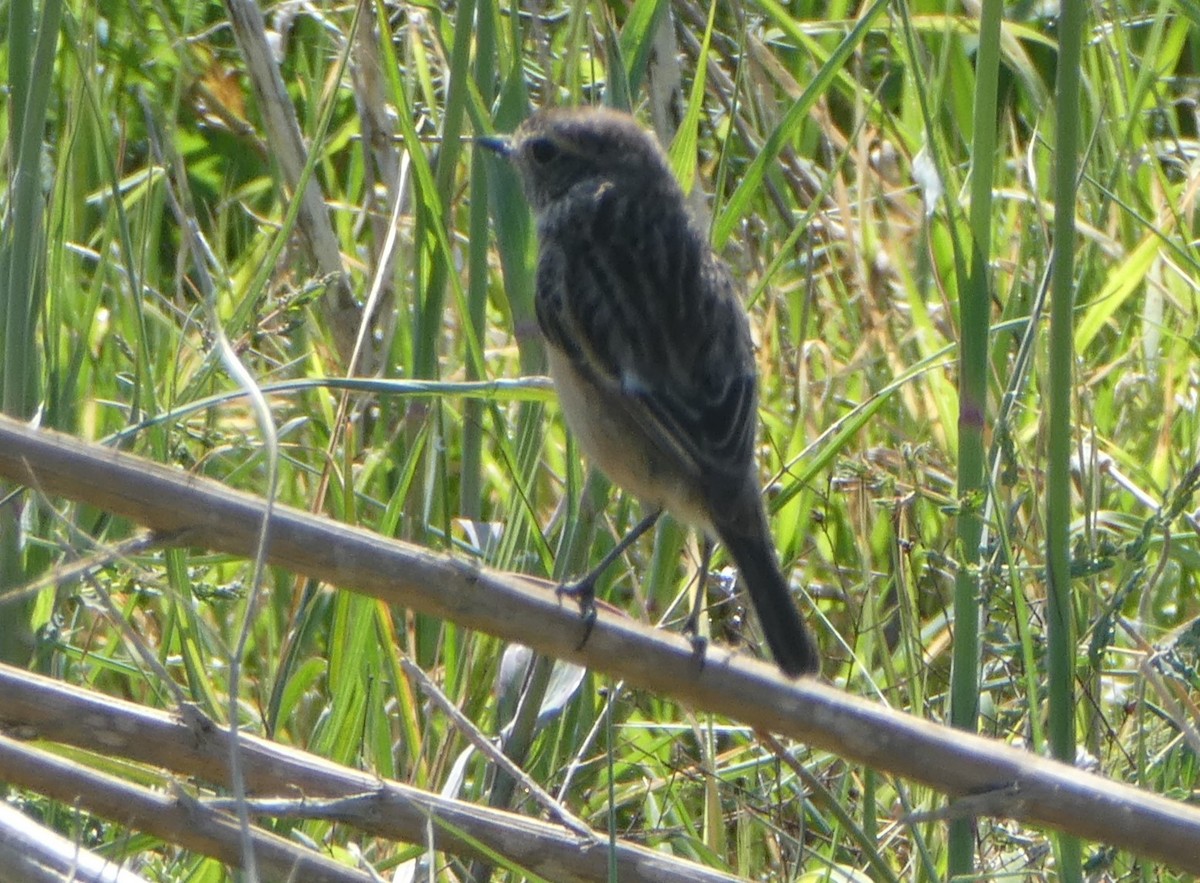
(501, 145)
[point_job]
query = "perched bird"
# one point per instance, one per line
(649, 347)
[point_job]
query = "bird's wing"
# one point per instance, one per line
(643, 309)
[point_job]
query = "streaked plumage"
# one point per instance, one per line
(649, 345)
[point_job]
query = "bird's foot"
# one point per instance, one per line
(584, 593)
(699, 649)
(691, 628)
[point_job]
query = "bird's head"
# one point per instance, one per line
(553, 150)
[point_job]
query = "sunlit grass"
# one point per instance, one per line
(850, 262)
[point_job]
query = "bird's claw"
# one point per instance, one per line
(584, 593)
(691, 628)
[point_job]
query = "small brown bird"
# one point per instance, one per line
(649, 347)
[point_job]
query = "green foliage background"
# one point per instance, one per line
(813, 135)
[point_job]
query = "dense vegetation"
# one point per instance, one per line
(830, 146)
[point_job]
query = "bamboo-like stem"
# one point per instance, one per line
(1000, 780)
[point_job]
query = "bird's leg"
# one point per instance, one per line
(691, 626)
(583, 590)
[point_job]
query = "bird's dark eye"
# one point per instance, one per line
(543, 150)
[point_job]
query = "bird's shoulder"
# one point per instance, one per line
(629, 265)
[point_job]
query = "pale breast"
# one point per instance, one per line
(622, 450)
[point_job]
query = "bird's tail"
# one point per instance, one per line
(788, 637)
